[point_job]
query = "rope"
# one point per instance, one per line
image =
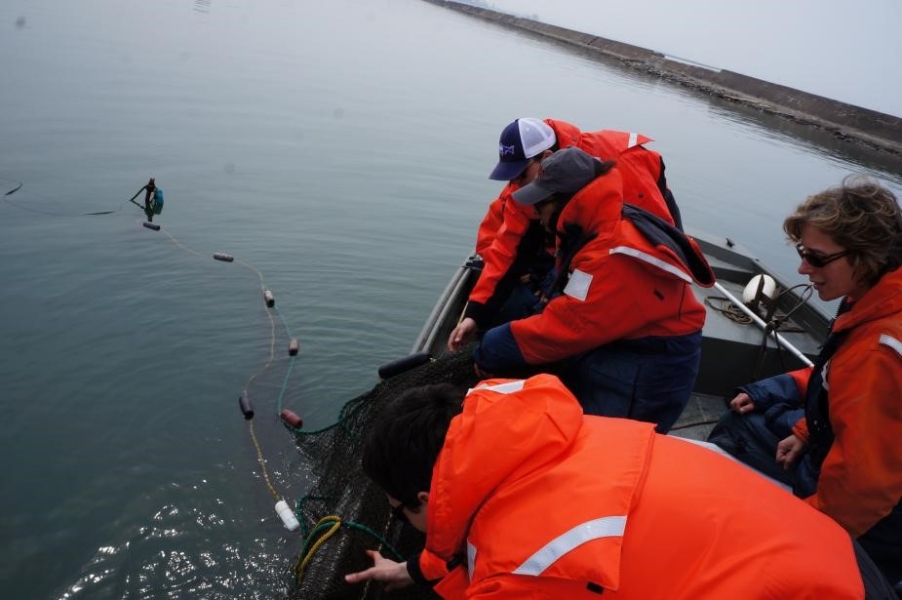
(262, 462)
(803, 299)
(775, 323)
(178, 243)
(48, 212)
(272, 352)
(333, 524)
(15, 189)
(329, 526)
(728, 309)
(284, 387)
(272, 324)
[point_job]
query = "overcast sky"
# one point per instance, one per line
(843, 50)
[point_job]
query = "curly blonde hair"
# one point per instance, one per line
(861, 216)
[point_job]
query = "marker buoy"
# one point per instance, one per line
(759, 288)
(403, 364)
(289, 520)
(153, 226)
(244, 403)
(291, 419)
(223, 257)
(267, 297)
(293, 347)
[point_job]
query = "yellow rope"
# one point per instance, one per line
(179, 244)
(463, 312)
(272, 351)
(269, 362)
(261, 461)
(305, 560)
(272, 323)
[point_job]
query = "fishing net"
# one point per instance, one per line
(343, 513)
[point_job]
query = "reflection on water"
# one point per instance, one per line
(811, 138)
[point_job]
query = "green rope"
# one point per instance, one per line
(299, 509)
(325, 529)
(311, 539)
(287, 375)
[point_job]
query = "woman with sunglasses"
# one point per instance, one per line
(843, 456)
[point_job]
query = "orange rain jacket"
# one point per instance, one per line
(621, 287)
(576, 505)
(860, 480)
(505, 224)
(852, 423)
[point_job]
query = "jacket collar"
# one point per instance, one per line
(882, 300)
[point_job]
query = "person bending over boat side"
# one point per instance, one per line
(586, 507)
(623, 316)
(843, 453)
(517, 261)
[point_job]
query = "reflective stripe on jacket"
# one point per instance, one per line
(532, 499)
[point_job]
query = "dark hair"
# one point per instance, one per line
(404, 443)
(862, 217)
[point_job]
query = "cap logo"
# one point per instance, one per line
(519, 141)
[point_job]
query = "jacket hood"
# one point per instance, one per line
(497, 433)
(566, 133)
(661, 239)
(598, 212)
(605, 144)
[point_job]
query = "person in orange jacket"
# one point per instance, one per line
(578, 506)
(512, 243)
(842, 454)
(622, 325)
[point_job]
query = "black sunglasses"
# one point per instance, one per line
(818, 260)
(397, 511)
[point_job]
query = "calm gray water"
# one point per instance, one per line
(339, 150)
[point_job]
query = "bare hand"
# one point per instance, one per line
(788, 451)
(463, 334)
(393, 574)
(742, 403)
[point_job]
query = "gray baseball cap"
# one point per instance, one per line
(566, 172)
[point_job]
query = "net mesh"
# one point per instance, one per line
(343, 513)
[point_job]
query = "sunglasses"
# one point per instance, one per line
(818, 260)
(397, 512)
